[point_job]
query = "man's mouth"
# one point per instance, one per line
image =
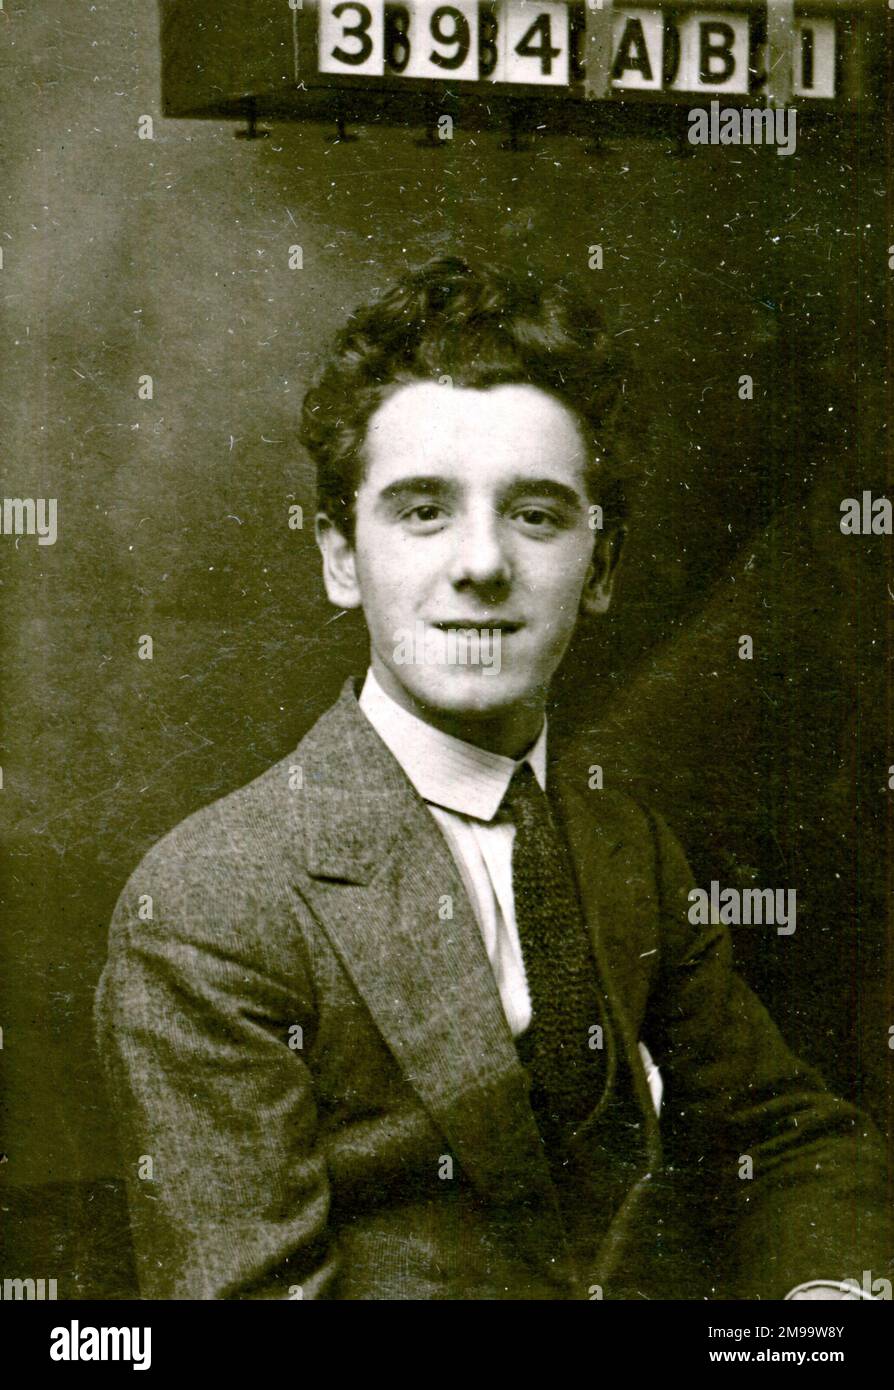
(504, 625)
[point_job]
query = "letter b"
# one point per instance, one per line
(716, 47)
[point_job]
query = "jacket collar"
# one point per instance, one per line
(355, 796)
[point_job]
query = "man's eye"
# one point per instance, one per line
(538, 518)
(424, 513)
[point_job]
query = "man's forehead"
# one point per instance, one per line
(515, 422)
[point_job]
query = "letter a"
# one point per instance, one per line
(698, 127)
(850, 518)
(59, 1345)
(698, 913)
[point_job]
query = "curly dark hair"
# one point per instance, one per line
(480, 327)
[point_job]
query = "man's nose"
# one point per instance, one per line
(480, 557)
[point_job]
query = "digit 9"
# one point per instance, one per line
(458, 34)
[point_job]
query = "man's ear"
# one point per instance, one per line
(339, 563)
(599, 584)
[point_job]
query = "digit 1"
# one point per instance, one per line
(806, 57)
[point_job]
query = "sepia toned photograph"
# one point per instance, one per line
(447, 753)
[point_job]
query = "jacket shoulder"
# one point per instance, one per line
(238, 850)
(616, 820)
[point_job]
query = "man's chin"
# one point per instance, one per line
(479, 693)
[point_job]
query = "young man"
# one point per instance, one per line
(386, 1034)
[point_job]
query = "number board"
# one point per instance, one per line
(542, 45)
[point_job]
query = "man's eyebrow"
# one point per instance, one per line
(429, 486)
(544, 487)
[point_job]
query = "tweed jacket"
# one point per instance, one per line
(319, 1095)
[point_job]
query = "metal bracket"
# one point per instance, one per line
(598, 49)
(780, 51)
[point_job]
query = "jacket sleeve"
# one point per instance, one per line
(227, 1189)
(818, 1203)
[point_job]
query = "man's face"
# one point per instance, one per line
(473, 514)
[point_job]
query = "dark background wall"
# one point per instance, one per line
(170, 257)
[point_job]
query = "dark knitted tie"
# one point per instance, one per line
(565, 1070)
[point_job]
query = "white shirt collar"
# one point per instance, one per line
(445, 770)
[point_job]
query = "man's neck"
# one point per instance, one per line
(508, 732)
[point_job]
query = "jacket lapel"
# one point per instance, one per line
(384, 886)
